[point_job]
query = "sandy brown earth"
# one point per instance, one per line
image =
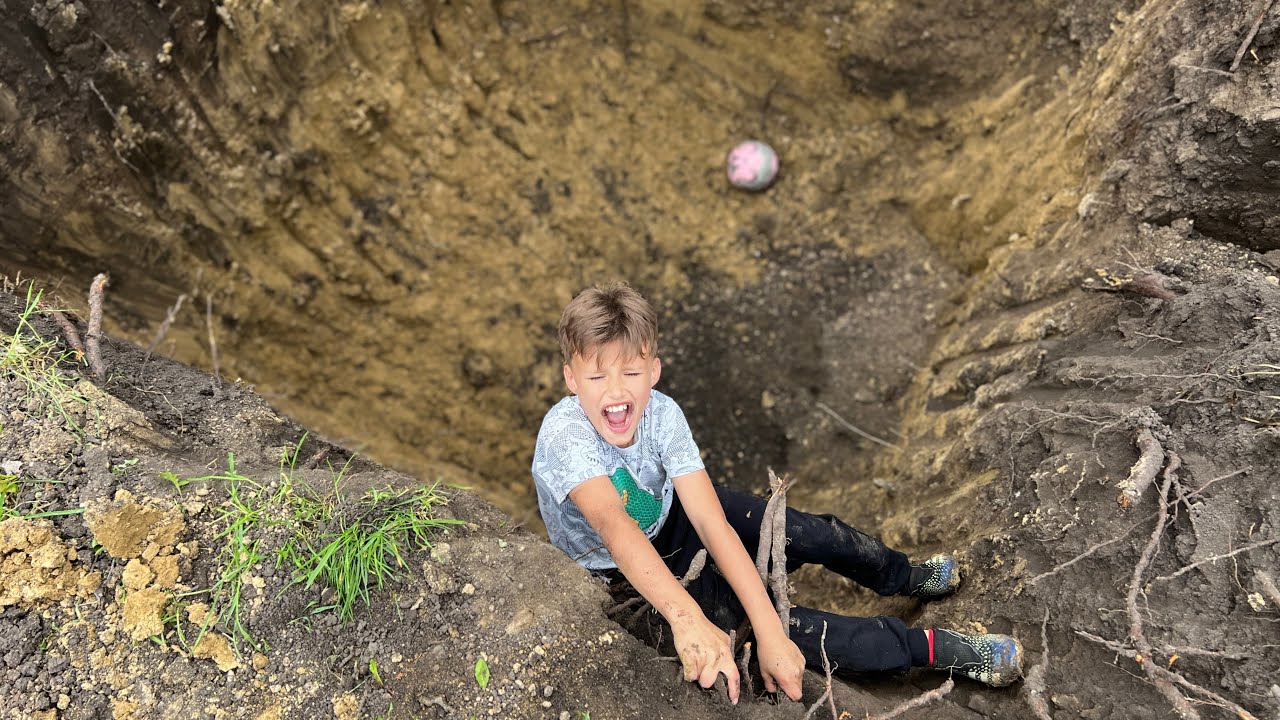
(379, 209)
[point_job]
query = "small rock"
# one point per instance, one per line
(548, 691)
(468, 589)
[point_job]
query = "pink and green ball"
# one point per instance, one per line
(752, 165)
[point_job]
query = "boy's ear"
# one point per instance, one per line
(570, 380)
(657, 371)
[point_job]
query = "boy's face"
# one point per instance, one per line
(613, 390)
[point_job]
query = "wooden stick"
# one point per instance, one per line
(94, 333)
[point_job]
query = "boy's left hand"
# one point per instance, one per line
(781, 665)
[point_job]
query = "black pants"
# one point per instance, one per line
(855, 644)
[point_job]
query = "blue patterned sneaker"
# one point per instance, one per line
(935, 577)
(992, 659)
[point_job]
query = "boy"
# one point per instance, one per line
(621, 485)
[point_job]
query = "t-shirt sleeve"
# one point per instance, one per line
(567, 455)
(675, 442)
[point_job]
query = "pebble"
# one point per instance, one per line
(548, 691)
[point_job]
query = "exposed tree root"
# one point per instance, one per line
(1034, 684)
(1143, 472)
(1168, 675)
(93, 336)
(1253, 32)
(1136, 635)
(1215, 558)
(826, 668)
(931, 696)
(1268, 588)
(69, 332)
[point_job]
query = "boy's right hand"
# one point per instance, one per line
(705, 653)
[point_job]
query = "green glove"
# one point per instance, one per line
(644, 508)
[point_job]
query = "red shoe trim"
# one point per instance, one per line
(929, 633)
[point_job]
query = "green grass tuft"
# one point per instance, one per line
(33, 360)
(361, 546)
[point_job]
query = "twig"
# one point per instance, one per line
(1215, 558)
(1268, 587)
(854, 428)
(1179, 702)
(213, 344)
(1143, 472)
(164, 326)
(744, 669)
(94, 333)
(826, 668)
(1034, 685)
(922, 700)
(1253, 32)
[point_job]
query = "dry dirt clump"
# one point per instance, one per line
(37, 567)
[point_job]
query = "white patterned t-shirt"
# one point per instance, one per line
(570, 451)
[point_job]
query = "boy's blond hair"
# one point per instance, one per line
(602, 314)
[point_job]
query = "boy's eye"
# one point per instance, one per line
(632, 374)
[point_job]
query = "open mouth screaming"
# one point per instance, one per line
(617, 417)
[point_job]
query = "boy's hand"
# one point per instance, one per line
(705, 653)
(781, 665)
